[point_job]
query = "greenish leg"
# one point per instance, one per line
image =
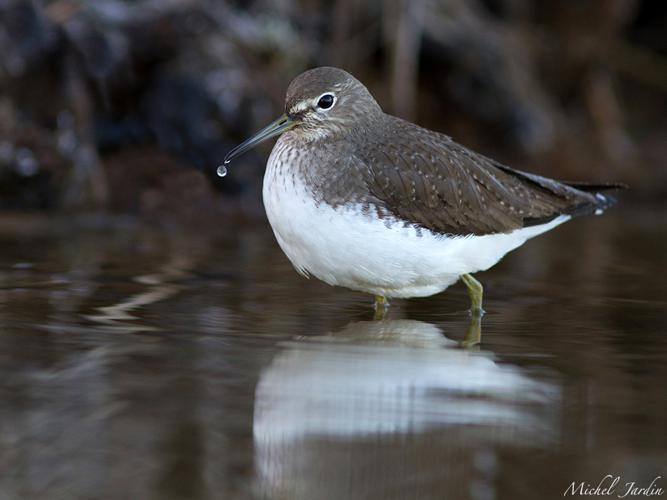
(381, 306)
(476, 292)
(474, 334)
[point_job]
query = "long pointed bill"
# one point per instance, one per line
(277, 127)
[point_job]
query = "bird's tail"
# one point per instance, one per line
(591, 187)
(600, 191)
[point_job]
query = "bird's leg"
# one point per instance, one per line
(476, 292)
(381, 306)
(474, 334)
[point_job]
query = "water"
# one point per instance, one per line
(221, 171)
(157, 364)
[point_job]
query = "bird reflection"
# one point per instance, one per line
(382, 407)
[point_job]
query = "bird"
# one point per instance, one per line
(368, 201)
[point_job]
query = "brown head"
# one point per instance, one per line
(320, 103)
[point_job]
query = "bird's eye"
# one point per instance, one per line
(326, 101)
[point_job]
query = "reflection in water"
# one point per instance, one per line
(348, 414)
(118, 317)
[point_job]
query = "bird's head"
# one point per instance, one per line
(320, 103)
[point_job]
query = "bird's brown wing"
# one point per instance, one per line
(425, 178)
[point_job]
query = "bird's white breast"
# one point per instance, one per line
(349, 247)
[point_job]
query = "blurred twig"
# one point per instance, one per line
(639, 64)
(404, 32)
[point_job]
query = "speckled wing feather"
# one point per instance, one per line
(425, 178)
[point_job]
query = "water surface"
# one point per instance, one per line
(152, 363)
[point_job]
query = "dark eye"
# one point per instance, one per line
(326, 101)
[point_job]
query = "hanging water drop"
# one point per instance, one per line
(222, 171)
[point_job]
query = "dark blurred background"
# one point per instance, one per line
(129, 106)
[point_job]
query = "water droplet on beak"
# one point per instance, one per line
(222, 171)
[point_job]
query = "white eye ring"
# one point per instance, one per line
(326, 101)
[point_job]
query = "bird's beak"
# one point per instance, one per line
(273, 129)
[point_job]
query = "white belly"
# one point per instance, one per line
(346, 247)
